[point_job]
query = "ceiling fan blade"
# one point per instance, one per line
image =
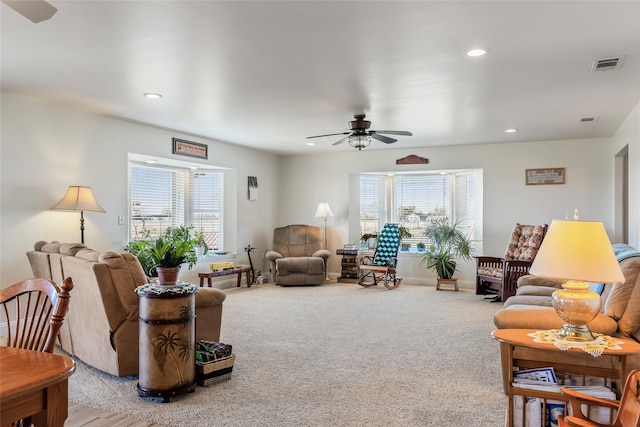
(34, 10)
(329, 134)
(382, 138)
(395, 132)
(341, 141)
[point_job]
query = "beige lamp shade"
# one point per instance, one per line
(323, 210)
(78, 199)
(577, 250)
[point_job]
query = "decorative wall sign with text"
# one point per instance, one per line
(544, 176)
(188, 148)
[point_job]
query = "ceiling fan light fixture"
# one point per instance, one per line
(359, 141)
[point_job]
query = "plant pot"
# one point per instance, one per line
(200, 250)
(168, 276)
(372, 242)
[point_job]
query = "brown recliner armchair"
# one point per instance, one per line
(297, 257)
(499, 276)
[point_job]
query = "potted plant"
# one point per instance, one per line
(176, 244)
(167, 257)
(446, 244)
(370, 239)
(201, 247)
(405, 234)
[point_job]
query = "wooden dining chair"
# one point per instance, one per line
(32, 312)
(627, 410)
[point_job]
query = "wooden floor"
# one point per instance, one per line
(84, 416)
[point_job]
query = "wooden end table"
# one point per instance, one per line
(235, 270)
(519, 351)
(34, 384)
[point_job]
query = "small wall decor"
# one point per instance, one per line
(544, 176)
(253, 188)
(188, 148)
(412, 159)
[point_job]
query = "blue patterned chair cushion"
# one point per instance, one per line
(388, 243)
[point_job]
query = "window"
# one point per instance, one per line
(414, 200)
(164, 196)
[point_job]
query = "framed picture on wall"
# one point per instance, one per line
(544, 176)
(188, 148)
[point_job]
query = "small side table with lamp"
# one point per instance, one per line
(577, 251)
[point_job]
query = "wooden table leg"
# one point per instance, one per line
(248, 278)
(239, 279)
(201, 281)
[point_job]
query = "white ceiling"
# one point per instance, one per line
(267, 74)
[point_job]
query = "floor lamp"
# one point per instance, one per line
(324, 211)
(79, 199)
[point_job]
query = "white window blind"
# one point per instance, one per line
(420, 199)
(168, 196)
(414, 201)
(157, 199)
(205, 205)
(373, 202)
(464, 204)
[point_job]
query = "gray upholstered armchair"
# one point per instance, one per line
(297, 257)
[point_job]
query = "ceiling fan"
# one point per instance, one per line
(34, 10)
(360, 136)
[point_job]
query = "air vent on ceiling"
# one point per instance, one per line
(587, 119)
(605, 64)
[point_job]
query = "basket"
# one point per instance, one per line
(208, 373)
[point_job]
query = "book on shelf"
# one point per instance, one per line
(528, 410)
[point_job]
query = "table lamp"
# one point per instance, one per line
(79, 199)
(578, 251)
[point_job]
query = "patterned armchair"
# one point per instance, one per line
(499, 275)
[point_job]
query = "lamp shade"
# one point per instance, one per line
(323, 210)
(577, 250)
(78, 199)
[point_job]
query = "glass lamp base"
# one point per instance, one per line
(571, 332)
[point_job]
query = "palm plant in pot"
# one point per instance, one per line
(173, 248)
(446, 243)
(168, 256)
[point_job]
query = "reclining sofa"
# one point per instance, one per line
(101, 327)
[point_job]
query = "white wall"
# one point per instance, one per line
(309, 179)
(629, 135)
(46, 148)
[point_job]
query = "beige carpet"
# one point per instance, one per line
(336, 355)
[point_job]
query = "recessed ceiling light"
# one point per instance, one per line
(152, 95)
(476, 52)
(310, 144)
(511, 130)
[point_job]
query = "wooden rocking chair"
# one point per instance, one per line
(381, 267)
